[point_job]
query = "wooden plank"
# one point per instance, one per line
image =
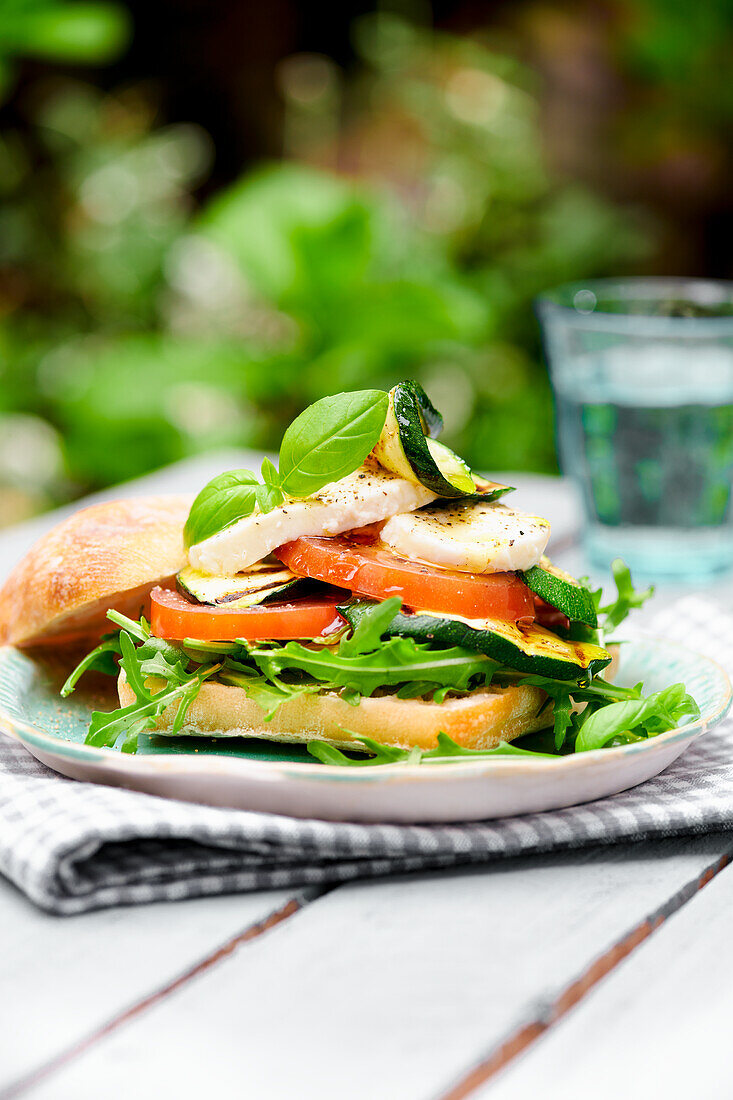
(657, 1026)
(64, 979)
(394, 988)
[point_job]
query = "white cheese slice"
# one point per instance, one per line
(474, 538)
(369, 495)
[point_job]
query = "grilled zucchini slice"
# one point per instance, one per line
(530, 649)
(408, 447)
(259, 583)
(558, 588)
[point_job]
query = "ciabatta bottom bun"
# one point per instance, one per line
(477, 721)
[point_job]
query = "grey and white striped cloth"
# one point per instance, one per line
(74, 846)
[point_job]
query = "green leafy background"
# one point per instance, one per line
(146, 315)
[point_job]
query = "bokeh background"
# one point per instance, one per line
(213, 212)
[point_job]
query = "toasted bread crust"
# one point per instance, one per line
(108, 555)
(477, 721)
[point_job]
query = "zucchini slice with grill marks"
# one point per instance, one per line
(408, 447)
(530, 649)
(562, 591)
(487, 490)
(260, 583)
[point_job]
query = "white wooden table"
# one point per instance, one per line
(604, 974)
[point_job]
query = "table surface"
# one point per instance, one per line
(594, 973)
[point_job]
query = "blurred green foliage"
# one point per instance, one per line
(136, 329)
(83, 31)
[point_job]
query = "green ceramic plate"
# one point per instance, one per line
(252, 774)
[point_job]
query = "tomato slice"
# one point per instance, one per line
(173, 616)
(549, 616)
(372, 570)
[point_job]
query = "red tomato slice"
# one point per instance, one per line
(173, 616)
(549, 616)
(373, 570)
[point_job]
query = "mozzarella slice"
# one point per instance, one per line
(474, 538)
(368, 495)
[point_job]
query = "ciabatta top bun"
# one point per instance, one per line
(107, 556)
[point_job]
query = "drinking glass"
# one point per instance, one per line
(642, 373)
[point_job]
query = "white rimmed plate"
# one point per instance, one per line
(258, 775)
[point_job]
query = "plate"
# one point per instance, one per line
(255, 775)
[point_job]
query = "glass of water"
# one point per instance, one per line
(642, 371)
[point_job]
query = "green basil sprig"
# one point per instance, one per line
(224, 500)
(329, 440)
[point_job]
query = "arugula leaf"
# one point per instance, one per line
(188, 694)
(627, 597)
(152, 657)
(202, 650)
(382, 754)
(159, 647)
(330, 439)
(440, 693)
(397, 661)
(416, 688)
(369, 627)
(136, 727)
(139, 630)
(562, 709)
(661, 711)
(388, 754)
(131, 664)
(225, 499)
(159, 665)
(448, 747)
(106, 728)
(101, 659)
(268, 694)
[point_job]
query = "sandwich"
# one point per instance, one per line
(369, 596)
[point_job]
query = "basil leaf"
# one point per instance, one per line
(330, 439)
(270, 476)
(268, 497)
(227, 498)
(269, 494)
(660, 711)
